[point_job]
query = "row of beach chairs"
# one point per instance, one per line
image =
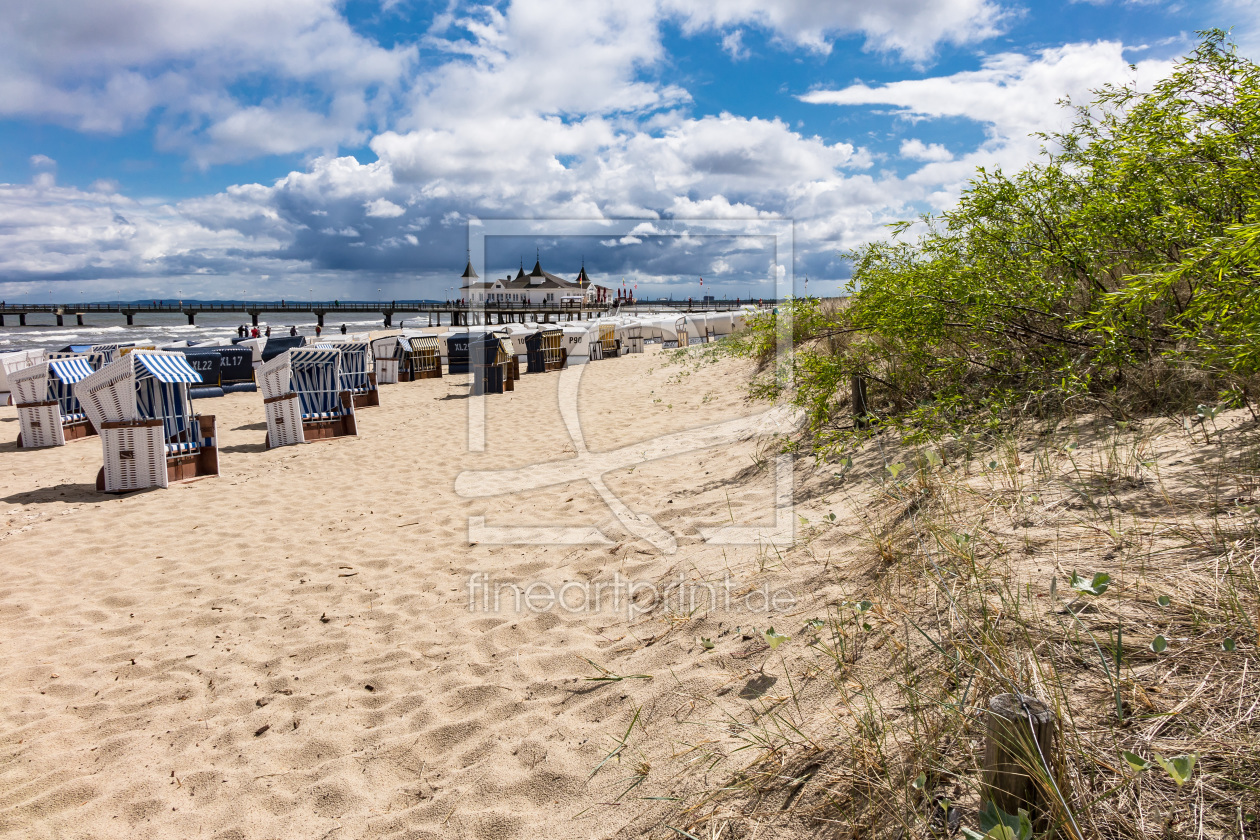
(139, 399)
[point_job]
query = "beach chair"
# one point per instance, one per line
(150, 435)
(209, 365)
(633, 342)
(511, 364)
(236, 369)
(108, 353)
(48, 412)
(388, 354)
(610, 348)
(680, 332)
(357, 374)
(488, 359)
(423, 359)
(554, 355)
(304, 397)
(13, 362)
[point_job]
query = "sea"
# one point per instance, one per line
(162, 328)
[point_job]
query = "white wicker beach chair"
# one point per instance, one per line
(13, 362)
(633, 341)
(388, 352)
(150, 435)
(48, 412)
(305, 398)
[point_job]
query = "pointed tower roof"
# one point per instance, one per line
(468, 272)
(520, 273)
(582, 279)
(537, 272)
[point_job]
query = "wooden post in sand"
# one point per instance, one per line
(859, 402)
(1019, 755)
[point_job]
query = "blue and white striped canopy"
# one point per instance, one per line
(168, 368)
(314, 355)
(71, 370)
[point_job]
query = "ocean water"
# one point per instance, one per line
(165, 328)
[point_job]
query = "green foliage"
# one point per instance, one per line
(1119, 273)
(1094, 586)
(774, 639)
(996, 824)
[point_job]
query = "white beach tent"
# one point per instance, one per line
(697, 329)
(721, 324)
(12, 363)
(48, 412)
(669, 329)
(304, 397)
(150, 434)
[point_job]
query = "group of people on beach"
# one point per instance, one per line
(253, 332)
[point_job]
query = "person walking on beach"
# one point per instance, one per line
(240, 331)
(293, 330)
(253, 333)
(318, 330)
(268, 333)
(343, 329)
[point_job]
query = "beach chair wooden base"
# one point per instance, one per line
(41, 425)
(283, 417)
(80, 430)
(387, 372)
(370, 397)
(146, 464)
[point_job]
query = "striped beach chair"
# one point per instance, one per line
(357, 373)
(305, 398)
(424, 358)
(150, 435)
(49, 414)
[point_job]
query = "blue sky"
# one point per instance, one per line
(270, 147)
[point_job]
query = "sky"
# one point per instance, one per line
(286, 148)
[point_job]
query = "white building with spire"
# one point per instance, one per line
(537, 287)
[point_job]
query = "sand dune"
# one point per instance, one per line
(287, 650)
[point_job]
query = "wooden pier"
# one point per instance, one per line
(455, 314)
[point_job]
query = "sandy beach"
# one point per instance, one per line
(289, 649)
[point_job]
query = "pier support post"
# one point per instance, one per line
(389, 319)
(131, 317)
(253, 317)
(21, 319)
(79, 318)
(1, 319)
(319, 317)
(191, 317)
(61, 319)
